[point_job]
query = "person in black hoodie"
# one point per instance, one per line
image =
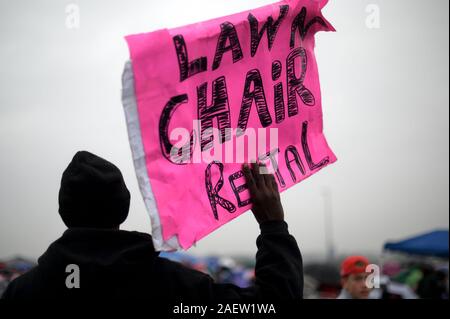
(111, 263)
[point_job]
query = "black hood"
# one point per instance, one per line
(93, 193)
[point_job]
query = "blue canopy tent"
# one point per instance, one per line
(431, 244)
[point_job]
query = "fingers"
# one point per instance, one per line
(250, 180)
(263, 189)
(266, 176)
(258, 177)
(274, 183)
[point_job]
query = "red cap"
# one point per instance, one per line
(354, 265)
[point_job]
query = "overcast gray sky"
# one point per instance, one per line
(385, 103)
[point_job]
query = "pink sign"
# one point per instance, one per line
(212, 95)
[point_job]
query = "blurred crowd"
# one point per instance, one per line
(11, 269)
(426, 279)
(401, 277)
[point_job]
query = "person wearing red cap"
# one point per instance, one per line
(353, 278)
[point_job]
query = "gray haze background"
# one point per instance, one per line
(386, 116)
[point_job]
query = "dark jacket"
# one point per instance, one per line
(122, 264)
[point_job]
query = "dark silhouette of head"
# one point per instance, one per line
(93, 193)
